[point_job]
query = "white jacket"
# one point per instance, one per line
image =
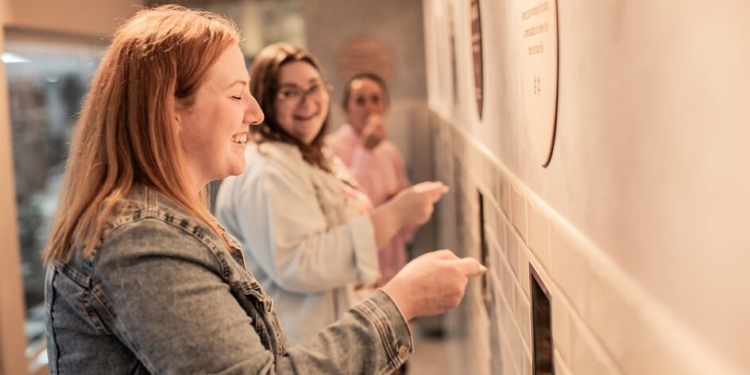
(305, 240)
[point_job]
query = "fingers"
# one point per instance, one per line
(433, 188)
(369, 128)
(374, 122)
(428, 186)
(374, 132)
(444, 254)
(375, 118)
(437, 193)
(471, 267)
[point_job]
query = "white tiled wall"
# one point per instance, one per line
(602, 322)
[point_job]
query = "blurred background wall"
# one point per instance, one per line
(636, 227)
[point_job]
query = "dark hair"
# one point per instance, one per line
(264, 86)
(364, 75)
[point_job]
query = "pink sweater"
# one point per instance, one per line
(381, 174)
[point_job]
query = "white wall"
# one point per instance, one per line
(648, 179)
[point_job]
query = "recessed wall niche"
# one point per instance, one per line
(539, 64)
(541, 326)
(484, 252)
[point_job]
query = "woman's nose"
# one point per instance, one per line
(253, 113)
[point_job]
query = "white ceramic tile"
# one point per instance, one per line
(569, 269)
(523, 317)
(523, 269)
(588, 357)
(502, 229)
(509, 285)
(496, 256)
(527, 367)
(614, 318)
(561, 366)
(513, 249)
(657, 355)
(490, 221)
(497, 270)
(539, 233)
(489, 174)
(508, 333)
(497, 193)
(561, 327)
(509, 367)
(505, 198)
(516, 347)
(518, 216)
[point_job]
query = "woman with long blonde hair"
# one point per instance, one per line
(141, 279)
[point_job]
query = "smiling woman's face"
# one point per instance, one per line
(302, 101)
(213, 131)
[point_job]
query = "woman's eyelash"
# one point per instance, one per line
(237, 97)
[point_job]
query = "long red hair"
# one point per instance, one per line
(127, 134)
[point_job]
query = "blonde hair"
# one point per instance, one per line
(127, 132)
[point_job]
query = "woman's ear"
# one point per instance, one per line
(177, 122)
(177, 111)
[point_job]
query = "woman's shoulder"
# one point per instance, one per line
(149, 224)
(273, 154)
(173, 244)
(145, 207)
(277, 159)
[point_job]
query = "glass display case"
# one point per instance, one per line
(48, 76)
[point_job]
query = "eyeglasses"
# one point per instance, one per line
(294, 94)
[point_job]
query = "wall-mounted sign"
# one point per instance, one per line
(476, 49)
(539, 73)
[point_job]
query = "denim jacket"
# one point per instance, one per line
(161, 294)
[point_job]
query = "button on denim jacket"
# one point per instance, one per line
(161, 294)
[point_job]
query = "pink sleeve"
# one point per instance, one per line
(364, 163)
(337, 146)
(398, 162)
(407, 233)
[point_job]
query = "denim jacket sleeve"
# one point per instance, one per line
(167, 301)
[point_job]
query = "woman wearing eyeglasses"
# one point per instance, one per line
(310, 233)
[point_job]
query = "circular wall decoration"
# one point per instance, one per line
(476, 49)
(539, 73)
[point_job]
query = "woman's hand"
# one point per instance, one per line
(374, 131)
(432, 283)
(412, 206)
(416, 203)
